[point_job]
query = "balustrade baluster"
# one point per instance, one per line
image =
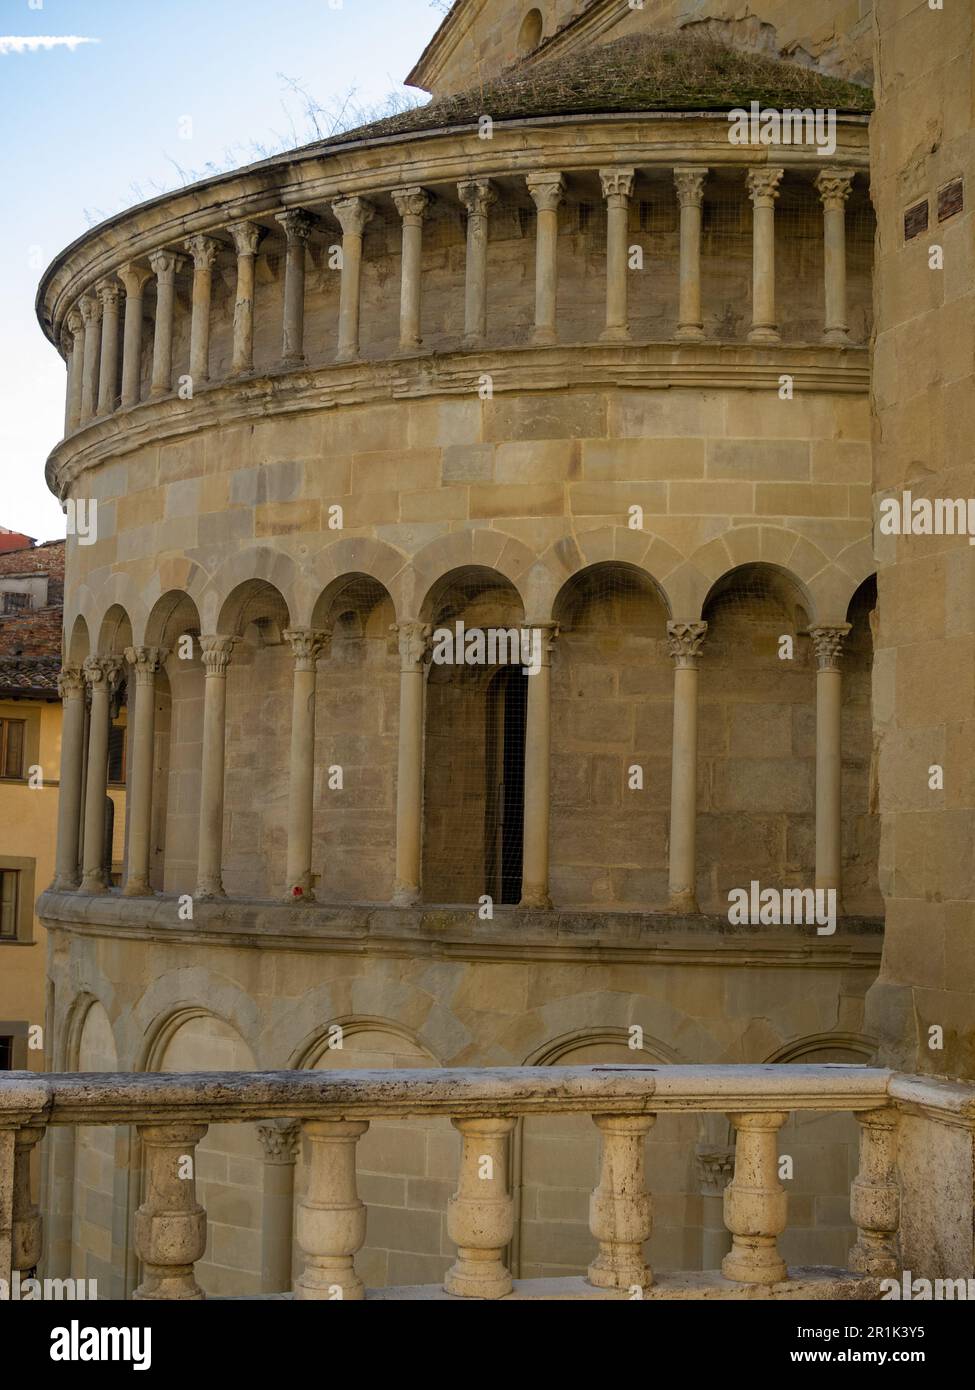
(755, 1202)
(620, 1208)
(26, 1225)
(874, 1198)
(331, 1225)
(480, 1215)
(170, 1225)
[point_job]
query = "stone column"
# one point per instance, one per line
(755, 1202)
(307, 645)
(763, 189)
(828, 644)
(297, 226)
(481, 1214)
(547, 191)
(538, 742)
(281, 1142)
(414, 638)
(620, 1209)
(164, 266)
(102, 674)
(204, 250)
(108, 294)
(353, 214)
(71, 687)
(246, 236)
(690, 193)
(874, 1196)
(76, 329)
(684, 641)
(170, 1226)
(91, 313)
(834, 188)
(331, 1222)
(145, 661)
(216, 653)
(477, 196)
(411, 204)
(617, 189)
(715, 1167)
(134, 279)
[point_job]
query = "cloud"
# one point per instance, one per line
(12, 44)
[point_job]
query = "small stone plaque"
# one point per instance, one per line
(916, 220)
(951, 199)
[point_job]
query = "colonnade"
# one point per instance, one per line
(84, 766)
(91, 328)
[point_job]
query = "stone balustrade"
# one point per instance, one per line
(172, 1113)
(102, 379)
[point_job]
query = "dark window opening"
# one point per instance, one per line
(6, 1053)
(507, 709)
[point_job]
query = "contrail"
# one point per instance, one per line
(14, 44)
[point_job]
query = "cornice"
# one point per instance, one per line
(653, 366)
(451, 934)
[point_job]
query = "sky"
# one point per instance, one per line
(90, 128)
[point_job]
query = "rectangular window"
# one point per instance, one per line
(6, 1053)
(15, 603)
(9, 902)
(12, 738)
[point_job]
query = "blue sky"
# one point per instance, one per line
(90, 130)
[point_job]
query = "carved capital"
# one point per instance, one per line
(411, 203)
(215, 653)
(684, 642)
(165, 263)
(108, 292)
(689, 181)
(71, 683)
(715, 1168)
(549, 632)
(763, 186)
(102, 672)
(246, 237)
(75, 323)
(297, 224)
(414, 642)
(146, 661)
(834, 186)
(281, 1141)
(134, 279)
(828, 645)
(91, 309)
(353, 214)
(477, 195)
(547, 190)
(204, 250)
(617, 184)
(308, 644)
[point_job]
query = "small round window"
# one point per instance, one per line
(530, 34)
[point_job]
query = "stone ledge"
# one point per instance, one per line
(703, 366)
(451, 932)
